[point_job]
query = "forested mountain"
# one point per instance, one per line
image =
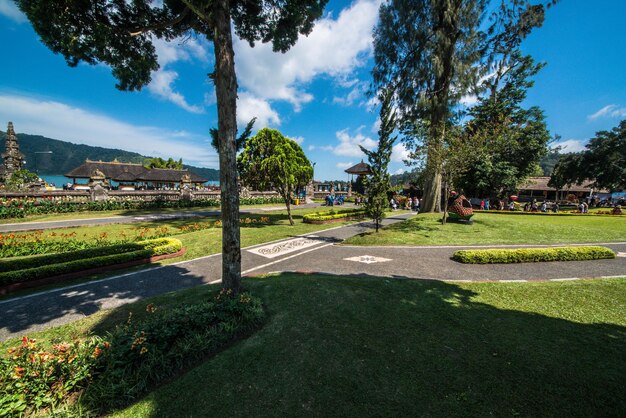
(51, 156)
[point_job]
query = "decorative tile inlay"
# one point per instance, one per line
(284, 247)
(368, 259)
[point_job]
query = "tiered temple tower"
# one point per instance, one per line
(12, 156)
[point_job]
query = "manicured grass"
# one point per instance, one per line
(198, 243)
(426, 229)
(369, 346)
(123, 212)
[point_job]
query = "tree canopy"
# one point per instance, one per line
(158, 162)
(509, 141)
(121, 34)
(430, 53)
(270, 160)
(603, 161)
(377, 183)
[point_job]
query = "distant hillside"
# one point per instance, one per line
(66, 156)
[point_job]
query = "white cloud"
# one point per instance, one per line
(356, 93)
(299, 139)
(399, 171)
(10, 10)
(64, 122)
(399, 153)
(161, 86)
(334, 47)
(572, 145)
(343, 166)
(311, 147)
(469, 100)
(349, 144)
(164, 79)
(609, 111)
(249, 106)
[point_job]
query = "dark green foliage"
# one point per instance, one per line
(530, 255)
(240, 142)
(146, 353)
(425, 54)
(133, 358)
(603, 161)
(20, 180)
(34, 377)
(41, 266)
(430, 53)
(270, 160)
(161, 163)
(549, 161)
(510, 140)
(377, 182)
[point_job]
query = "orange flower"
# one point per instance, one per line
(97, 352)
(18, 372)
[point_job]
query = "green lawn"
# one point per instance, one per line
(426, 229)
(123, 212)
(369, 346)
(198, 243)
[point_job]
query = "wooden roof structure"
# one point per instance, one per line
(130, 172)
(359, 169)
(541, 184)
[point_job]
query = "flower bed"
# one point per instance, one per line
(31, 268)
(111, 372)
(332, 216)
(529, 255)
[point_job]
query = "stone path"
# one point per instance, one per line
(316, 252)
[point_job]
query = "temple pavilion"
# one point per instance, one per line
(136, 175)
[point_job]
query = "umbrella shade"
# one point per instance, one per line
(359, 169)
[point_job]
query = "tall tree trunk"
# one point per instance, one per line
(226, 92)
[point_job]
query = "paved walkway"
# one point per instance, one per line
(317, 252)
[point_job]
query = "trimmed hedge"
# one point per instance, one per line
(529, 255)
(40, 266)
(327, 216)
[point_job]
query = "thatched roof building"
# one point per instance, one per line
(132, 173)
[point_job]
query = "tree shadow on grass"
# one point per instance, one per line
(372, 346)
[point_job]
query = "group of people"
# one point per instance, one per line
(332, 200)
(411, 203)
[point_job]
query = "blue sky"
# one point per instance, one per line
(315, 93)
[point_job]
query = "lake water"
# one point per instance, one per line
(60, 180)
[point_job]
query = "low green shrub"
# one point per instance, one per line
(40, 266)
(330, 215)
(99, 375)
(529, 255)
